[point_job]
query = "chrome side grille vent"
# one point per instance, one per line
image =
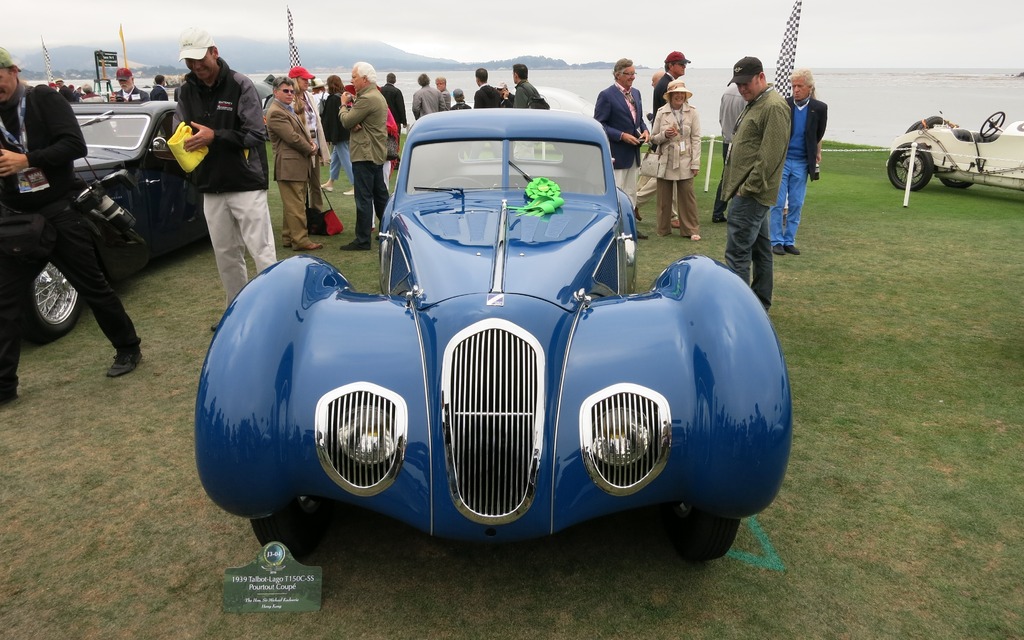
(493, 413)
(625, 434)
(360, 436)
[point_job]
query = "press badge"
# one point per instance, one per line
(31, 180)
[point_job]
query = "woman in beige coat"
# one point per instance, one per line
(676, 131)
(293, 154)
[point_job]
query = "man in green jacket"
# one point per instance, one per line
(365, 116)
(752, 175)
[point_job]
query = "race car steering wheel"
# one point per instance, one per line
(992, 126)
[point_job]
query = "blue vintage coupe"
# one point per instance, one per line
(507, 381)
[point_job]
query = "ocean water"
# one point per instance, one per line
(866, 106)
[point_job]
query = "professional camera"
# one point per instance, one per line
(94, 201)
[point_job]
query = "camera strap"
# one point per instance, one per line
(16, 144)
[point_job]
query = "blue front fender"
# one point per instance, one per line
(702, 340)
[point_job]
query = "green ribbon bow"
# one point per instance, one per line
(545, 196)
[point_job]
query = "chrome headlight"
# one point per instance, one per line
(365, 435)
(620, 437)
(625, 437)
(360, 436)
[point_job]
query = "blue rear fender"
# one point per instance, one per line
(292, 335)
(701, 339)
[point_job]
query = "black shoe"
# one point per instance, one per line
(355, 246)
(718, 219)
(778, 250)
(640, 235)
(8, 396)
(124, 362)
(791, 249)
(213, 327)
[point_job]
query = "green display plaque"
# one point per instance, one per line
(273, 582)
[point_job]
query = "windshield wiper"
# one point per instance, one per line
(459, 190)
(99, 118)
(524, 174)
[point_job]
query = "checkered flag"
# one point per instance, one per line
(46, 60)
(787, 54)
(293, 53)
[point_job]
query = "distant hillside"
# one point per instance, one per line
(264, 56)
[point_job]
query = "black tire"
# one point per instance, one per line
(299, 526)
(955, 184)
(696, 535)
(896, 167)
(52, 308)
(927, 123)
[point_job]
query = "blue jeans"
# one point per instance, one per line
(793, 187)
(747, 242)
(340, 159)
(371, 193)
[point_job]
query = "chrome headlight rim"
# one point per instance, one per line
(658, 438)
(328, 432)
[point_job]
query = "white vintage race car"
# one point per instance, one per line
(959, 157)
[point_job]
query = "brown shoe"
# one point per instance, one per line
(675, 223)
(312, 246)
(636, 214)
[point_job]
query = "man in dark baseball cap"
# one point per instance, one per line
(753, 172)
(746, 70)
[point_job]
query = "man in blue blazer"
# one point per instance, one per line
(810, 117)
(620, 111)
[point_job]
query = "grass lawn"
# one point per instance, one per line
(901, 514)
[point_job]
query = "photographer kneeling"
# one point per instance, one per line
(40, 141)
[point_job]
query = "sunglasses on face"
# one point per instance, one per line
(287, 90)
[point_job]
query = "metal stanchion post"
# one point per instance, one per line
(910, 174)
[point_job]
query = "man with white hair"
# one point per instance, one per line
(810, 116)
(365, 116)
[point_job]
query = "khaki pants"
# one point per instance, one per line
(238, 221)
(293, 228)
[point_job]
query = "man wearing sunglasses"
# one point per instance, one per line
(128, 92)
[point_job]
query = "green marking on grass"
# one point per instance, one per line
(769, 558)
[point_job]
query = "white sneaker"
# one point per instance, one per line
(350, 192)
(327, 187)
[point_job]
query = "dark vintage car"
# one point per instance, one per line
(127, 162)
(507, 380)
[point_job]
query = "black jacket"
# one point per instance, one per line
(54, 142)
(333, 131)
(486, 97)
(396, 102)
(158, 93)
(237, 160)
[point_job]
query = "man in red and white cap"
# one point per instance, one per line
(675, 67)
(305, 107)
(128, 91)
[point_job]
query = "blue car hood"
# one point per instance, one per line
(547, 257)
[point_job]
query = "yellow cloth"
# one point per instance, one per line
(188, 160)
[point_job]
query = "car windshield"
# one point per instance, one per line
(506, 164)
(120, 131)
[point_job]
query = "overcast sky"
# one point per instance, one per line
(712, 33)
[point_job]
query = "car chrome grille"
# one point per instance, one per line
(360, 436)
(625, 434)
(493, 412)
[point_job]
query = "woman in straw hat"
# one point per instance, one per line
(676, 131)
